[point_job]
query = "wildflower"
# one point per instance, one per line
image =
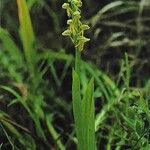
(75, 27)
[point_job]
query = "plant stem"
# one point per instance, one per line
(77, 62)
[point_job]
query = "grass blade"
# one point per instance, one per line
(27, 34)
(10, 46)
(54, 133)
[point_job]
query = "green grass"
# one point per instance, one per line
(61, 94)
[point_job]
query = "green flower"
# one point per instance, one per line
(68, 8)
(66, 33)
(81, 41)
(75, 27)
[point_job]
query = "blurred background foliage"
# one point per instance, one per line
(36, 109)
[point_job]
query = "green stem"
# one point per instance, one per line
(77, 62)
(54, 134)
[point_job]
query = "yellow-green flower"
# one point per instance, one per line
(75, 27)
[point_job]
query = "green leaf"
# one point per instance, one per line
(139, 127)
(77, 109)
(26, 33)
(11, 47)
(11, 128)
(88, 117)
(17, 96)
(53, 132)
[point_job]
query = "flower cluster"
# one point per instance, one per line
(75, 27)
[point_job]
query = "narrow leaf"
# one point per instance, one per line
(77, 109)
(88, 117)
(26, 33)
(10, 46)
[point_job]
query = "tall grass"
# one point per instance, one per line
(30, 94)
(27, 35)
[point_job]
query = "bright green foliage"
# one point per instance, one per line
(11, 56)
(88, 113)
(84, 114)
(35, 90)
(28, 93)
(10, 46)
(77, 108)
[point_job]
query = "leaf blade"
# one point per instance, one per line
(26, 33)
(88, 115)
(77, 109)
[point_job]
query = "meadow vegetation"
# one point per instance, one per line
(89, 90)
